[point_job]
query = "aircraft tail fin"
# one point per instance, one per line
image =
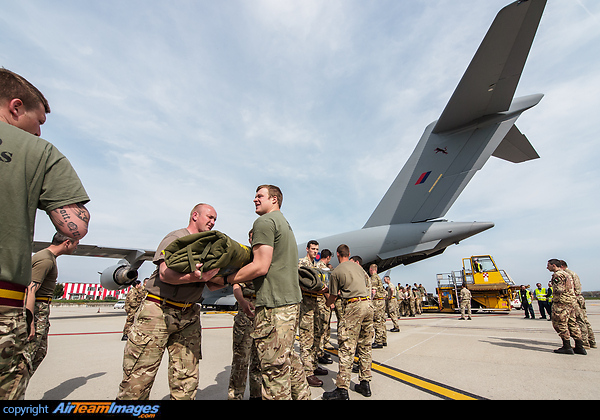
(478, 122)
(490, 81)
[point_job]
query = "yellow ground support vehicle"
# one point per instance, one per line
(491, 289)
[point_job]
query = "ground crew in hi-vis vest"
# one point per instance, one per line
(540, 295)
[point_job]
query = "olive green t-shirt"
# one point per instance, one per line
(44, 271)
(280, 286)
(349, 280)
(33, 175)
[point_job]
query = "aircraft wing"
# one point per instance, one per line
(131, 255)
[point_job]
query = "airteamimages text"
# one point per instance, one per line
(138, 410)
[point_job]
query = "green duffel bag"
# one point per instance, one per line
(213, 249)
(313, 279)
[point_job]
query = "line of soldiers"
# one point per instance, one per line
(314, 329)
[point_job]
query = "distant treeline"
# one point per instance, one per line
(591, 294)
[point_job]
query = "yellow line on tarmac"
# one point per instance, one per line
(431, 387)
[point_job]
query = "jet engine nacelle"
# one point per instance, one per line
(118, 276)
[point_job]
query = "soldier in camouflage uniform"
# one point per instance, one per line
(392, 304)
(418, 299)
(325, 312)
(465, 302)
(563, 309)
(244, 350)
(168, 319)
(274, 271)
(44, 273)
(587, 334)
(134, 299)
(355, 328)
(402, 300)
(379, 294)
(311, 322)
(411, 300)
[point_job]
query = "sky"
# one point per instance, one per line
(163, 105)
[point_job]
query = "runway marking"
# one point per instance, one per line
(432, 387)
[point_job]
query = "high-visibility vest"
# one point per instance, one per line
(527, 295)
(540, 294)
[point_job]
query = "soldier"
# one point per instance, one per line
(311, 323)
(44, 273)
(325, 312)
(355, 328)
(169, 319)
(392, 304)
(465, 302)
(402, 300)
(587, 334)
(244, 350)
(35, 175)
(563, 309)
(134, 299)
(275, 273)
(418, 299)
(411, 300)
(378, 293)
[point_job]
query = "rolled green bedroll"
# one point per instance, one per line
(213, 249)
(313, 279)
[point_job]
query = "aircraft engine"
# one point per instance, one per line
(118, 276)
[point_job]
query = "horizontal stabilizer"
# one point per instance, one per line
(515, 147)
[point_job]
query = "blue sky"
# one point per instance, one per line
(161, 105)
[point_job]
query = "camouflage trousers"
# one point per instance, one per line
(379, 321)
(310, 333)
(36, 350)
(244, 355)
(564, 321)
(157, 328)
(355, 335)
(393, 311)
(325, 315)
(14, 368)
(282, 372)
(587, 334)
(465, 306)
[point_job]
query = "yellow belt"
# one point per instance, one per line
(11, 294)
(357, 299)
(43, 299)
(167, 302)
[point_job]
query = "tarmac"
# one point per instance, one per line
(434, 356)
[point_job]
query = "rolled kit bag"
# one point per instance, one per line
(213, 249)
(313, 279)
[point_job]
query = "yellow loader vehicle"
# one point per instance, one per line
(491, 289)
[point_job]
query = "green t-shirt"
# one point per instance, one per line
(44, 271)
(280, 286)
(33, 175)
